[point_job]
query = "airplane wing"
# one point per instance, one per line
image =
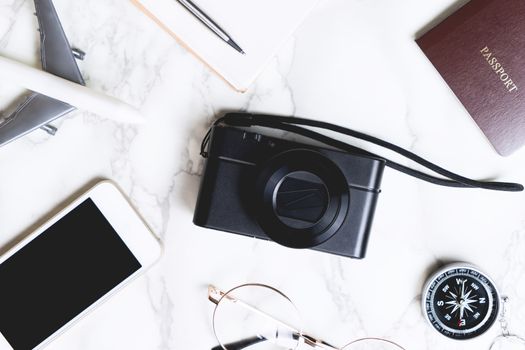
(35, 112)
(38, 110)
(56, 53)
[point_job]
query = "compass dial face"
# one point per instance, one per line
(460, 302)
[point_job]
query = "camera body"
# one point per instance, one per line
(298, 195)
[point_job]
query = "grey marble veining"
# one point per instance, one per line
(364, 72)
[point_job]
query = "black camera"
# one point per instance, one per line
(297, 195)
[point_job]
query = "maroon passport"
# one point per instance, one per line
(480, 52)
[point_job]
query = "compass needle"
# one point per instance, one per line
(467, 295)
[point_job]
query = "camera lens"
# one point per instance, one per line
(301, 200)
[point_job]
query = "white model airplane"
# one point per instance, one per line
(60, 90)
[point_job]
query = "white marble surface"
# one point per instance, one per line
(354, 62)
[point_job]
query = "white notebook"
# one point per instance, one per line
(260, 27)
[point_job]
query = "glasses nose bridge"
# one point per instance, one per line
(317, 344)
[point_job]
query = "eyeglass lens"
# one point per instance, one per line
(256, 317)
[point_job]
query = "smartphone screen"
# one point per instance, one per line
(59, 274)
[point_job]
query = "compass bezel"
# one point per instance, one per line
(468, 333)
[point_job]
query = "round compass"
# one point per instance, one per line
(460, 302)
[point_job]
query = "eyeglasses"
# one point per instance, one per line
(260, 317)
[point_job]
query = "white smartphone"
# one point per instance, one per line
(70, 265)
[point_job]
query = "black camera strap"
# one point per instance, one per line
(295, 125)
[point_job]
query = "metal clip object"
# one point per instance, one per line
(506, 340)
(503, 317)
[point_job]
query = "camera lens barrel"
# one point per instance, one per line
(302, 198)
